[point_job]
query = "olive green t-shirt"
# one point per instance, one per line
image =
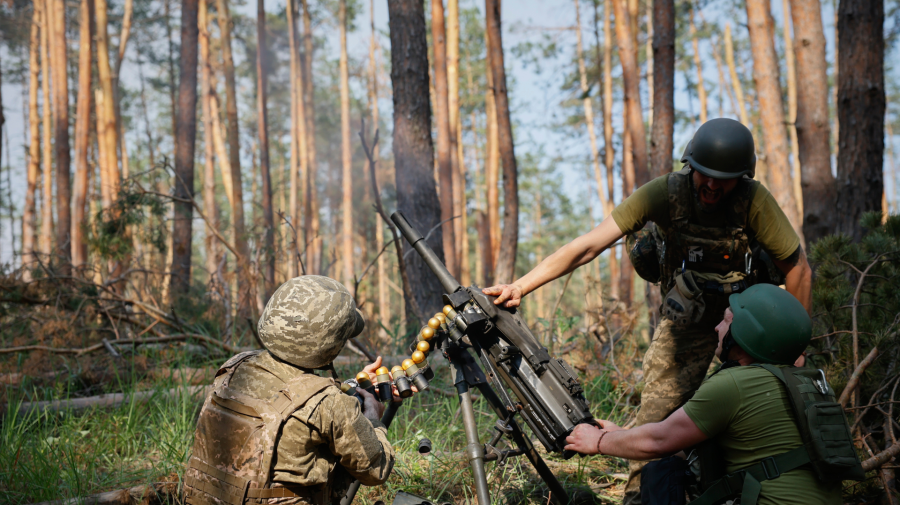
(746, 409)
(767, 221)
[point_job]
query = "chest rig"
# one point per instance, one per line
(718, 253)
(234, 446)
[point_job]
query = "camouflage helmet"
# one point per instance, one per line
(770, 324)
(722, 149)
(308, 320)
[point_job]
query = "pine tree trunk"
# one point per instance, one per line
(442, 120)
(812, 121)
(82, 133)
(631, 76)
(608, 147)
(792, 109)
(262, 115)
(59, 59)
(588, 108)
(861, 103)
(661, 141)
(492, 170)
(312, 193)
(735, 81)
(29, 212)
(506, 262)
(771, 108)
(209, 169)
(461, 225)
(295, 162)
(185, 140)
(47, 200)
(347, 173)
(123, 44)
(106, 138)
(384, 301)
(698, 65)
(412, 145)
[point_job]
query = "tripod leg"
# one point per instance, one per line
(557, 491)
(474, 449)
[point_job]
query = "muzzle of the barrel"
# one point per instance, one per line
(416, 240)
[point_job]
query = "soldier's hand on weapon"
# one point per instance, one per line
(583, 439)
(509, 293)
(373, 408)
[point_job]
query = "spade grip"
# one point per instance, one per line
(431, 259)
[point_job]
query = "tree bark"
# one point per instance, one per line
(735, 81)
(661, 140)
(768, 90)
(347, 168)
(608, 147)
(47, 200)
(631, 76)
(506, 263)
(262, 115)
(442, 119)
(588, 110)
(384, 301)
(457, 159)
(298, 152)
(412, 145)
(29, 212)
(185, 140)
(861, 103)
(59, 59)
(106, 128)
(813, 136)
(209, 169)
(792, 108)
(492, 171)
(123, 44)
(311, 215)
(82, 133)
(698, 66)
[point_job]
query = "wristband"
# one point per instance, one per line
(602, 434)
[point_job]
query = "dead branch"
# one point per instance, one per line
(881, 458)
(856, 375)
(131, 496)
(110, 400)
(135, 341)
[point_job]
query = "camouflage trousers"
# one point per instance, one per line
(674, 366)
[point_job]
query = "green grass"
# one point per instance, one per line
(48, 456)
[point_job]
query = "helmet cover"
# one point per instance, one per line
(770, 324)
(308, 320)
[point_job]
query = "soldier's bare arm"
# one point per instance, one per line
(569, 257)
(650, 441)
(798, 277)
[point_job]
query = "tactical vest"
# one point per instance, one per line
(827, 444)
(722, 250)
(232, 458)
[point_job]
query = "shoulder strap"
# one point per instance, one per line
(746, 482)
(679, 184)
(742, 200)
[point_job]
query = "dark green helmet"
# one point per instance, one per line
(722, 149)
(770, 324)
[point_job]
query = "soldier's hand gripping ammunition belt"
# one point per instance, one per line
(415, 375)
(383, 384)
(349, 387)
(363, 381)
(401, 382)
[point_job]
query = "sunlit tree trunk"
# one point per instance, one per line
(796, 178)
(506, 262)
(588, 108)
(106, 129)
(311, 214)
(698, 65)
(296, 161)
(771, 108)
(735, 81)
(442, 120)
(123, 44)
(185, 140)
(661, 141)
(492, 172)
(29, 212)
(46, 243)
(812, 120)
(384, 301)
(347, 172)
(457, 159)
(262, 115)
(58, 61)
(82, 133)
(412, 145)
(631, 76)
(209, 169)
(604, 60)
(861, 103)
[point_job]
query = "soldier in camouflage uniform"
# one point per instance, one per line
(711, 230)
(274, 432)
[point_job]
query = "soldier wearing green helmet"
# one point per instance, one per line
(760, 429)
(271, 430)
(703, 233)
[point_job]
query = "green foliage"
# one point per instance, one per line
(111, 236)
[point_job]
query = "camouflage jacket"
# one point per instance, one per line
(321, 442)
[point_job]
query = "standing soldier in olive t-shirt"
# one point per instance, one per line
(713, 230)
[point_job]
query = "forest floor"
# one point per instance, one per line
(60, 449)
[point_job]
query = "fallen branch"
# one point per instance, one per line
(136, 341)
(856, 375)
(881, 458)
(130, 496)
(109, 400)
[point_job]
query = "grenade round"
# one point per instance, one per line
(362, 378)
(423, 347)
(418, 358)
(434, 323)
(415, 375)
(383, 383)
(427, 333)
(401, 382)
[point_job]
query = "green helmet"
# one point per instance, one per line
(308, 320)
(770, 324)
(722, 149)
